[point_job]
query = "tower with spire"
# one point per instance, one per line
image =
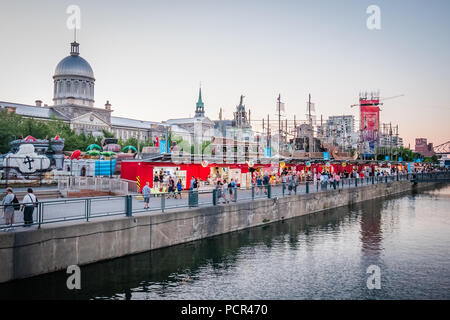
(200, 107)
(240, 116)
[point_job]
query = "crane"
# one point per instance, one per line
(381, 99)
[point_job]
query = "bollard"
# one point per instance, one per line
(87, 208)
(39, 214)
(128, 205)
(163, 202)
(269, 191)
(307, 187)
(334, 184)
(283, 188)
(373, 180)
(193, 198)
(356, 182)
(214, 197)
(235, 194)
(253, 193)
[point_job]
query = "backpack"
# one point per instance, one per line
(16, 204)
(195, 184)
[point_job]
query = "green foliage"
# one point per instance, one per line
(107, 134)
(9, 129)
(432, 159)
(405, 153)
(14, 126)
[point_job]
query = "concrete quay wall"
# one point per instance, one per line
(52, 248)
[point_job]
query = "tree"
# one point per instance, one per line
(9, 124)
(108, 134)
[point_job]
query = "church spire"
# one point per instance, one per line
(200, 107)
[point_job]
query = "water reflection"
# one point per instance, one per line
(322, 255)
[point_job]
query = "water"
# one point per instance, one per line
(320, 256)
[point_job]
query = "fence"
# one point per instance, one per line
(74, 183)
(64, 210)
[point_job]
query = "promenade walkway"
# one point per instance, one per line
(72, 210)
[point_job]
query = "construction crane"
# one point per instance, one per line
(381, 99)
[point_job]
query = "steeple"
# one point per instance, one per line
(240, 116)
(200, 107)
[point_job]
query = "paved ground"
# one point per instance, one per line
(76, 209)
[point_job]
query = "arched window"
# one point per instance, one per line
(76, 88)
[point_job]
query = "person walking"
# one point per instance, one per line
(195, 185)
(292, 183)
(8, 208)
(29, 202)
(191, 186)
(266, 181)
(284, 180)
(179, 187)
(259, 184)
(231, 186)
(171, 188)
(146, 194)
(161, 179)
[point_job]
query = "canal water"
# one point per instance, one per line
(319, 256)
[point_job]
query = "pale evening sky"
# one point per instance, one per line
(148, 57)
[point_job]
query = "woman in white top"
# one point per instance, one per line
(28, 203)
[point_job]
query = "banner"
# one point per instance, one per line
(280, 106)
(370, 123)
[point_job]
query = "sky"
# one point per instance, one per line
(149, 57)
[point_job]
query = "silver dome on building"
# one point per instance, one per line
(74, 80)
(74, 66)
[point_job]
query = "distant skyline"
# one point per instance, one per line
(149, 57)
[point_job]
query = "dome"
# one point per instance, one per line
(74, 80)
(74, 65)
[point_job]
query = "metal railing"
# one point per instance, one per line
(77, 183)
(90, 208)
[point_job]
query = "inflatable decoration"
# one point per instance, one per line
(26, 160)
(30, 138)
(129, 148)
(94, 146)
(76, 154)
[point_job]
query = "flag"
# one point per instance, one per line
(280, 105)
